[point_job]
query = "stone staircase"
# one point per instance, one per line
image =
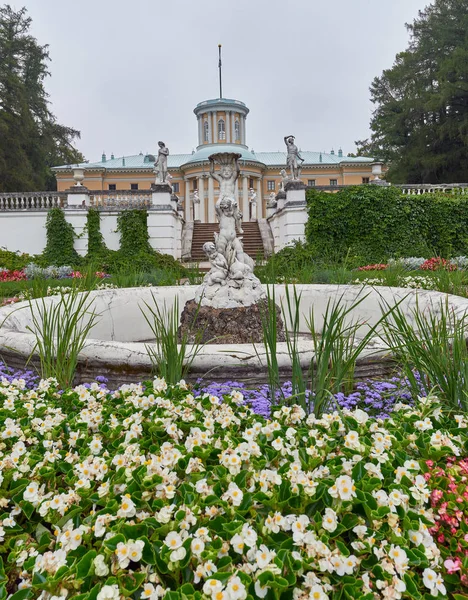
(204, 232)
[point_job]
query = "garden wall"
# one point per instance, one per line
(376, 223)
(25, 231)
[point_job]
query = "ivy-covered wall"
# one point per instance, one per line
(376, 223)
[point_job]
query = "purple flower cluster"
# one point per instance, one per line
(375, 397)
(10, 374)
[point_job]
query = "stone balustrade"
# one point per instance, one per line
(118, 199)
(31, 200)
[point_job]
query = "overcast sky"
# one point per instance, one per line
(128, 73)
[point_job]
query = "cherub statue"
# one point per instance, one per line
(226, 178)
(293, 158)
(284, 179)
(219, 266)
(160, 166)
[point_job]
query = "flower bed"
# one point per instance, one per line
(147, 492)
(414, 264)
(449, 500)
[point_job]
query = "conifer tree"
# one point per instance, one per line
(31, 140)
(420, 124)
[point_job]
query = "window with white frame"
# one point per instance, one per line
(175, 187)
(237, 131)
(206, 129)
(221, 130)
(271, 185)
(311, 182)
(365, 180)
(333, 181)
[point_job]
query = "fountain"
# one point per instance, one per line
(230, 304)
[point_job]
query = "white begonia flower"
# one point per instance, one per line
(159, 384)
(197, 546)
(212, 587)
(351, 440)
(127, 508)
(317, 593)
(178, 554)
(173, 540)
(261, 591)
(100, 567)
(31, 493)
(235, 589)
(238, 543)
(360, 531)
(109, 592)
(434, 582)
(343, 488)
(135, 550)
(95, 445)
(416, 537)
(233, 494)
(264, 556)
(122, 553)
(329, 520)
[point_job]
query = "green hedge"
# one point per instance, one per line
(375, 223)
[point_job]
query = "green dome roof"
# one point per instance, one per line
(205, 151)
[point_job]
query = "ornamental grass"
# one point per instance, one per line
(148, 492)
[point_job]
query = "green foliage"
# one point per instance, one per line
(59, 248)
(420, 122)
(136, 253)
(31, 140)
(96, 246)
(14, 261)
(372, 224)
(61, 329)
(172, 355)
(433, 344)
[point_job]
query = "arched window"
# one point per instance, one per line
(221, 130)
(206, 129)
(237, 131)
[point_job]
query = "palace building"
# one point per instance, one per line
(222, 127)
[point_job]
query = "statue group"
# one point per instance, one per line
(230, 282)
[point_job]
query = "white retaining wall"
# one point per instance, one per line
(25, 231)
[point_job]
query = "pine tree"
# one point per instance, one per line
(420, 124)
(31, 140)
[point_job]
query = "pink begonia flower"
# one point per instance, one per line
(452, 566)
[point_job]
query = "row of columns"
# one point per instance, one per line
(230, 127)
(208, 200)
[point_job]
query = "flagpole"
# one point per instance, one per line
(219, 66)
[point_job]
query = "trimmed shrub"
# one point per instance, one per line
(376, 223)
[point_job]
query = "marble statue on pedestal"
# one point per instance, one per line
(239, 287)
(293, 158)
(160, 166)
(253, 204)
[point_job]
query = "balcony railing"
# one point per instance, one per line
(31, 200)
(118, 199)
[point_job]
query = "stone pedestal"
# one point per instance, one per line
(78, 195)
(241, 325)
(280, 200)
(161, 194)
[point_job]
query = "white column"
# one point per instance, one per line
(245, 197)
(236, 191)
(201, 194)
(259, 199)
(200, 130)
(243, 129)
(210, 127)
(188, 202)
(233, 127)
(215, 127)
(211, 201)
(228, 127)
